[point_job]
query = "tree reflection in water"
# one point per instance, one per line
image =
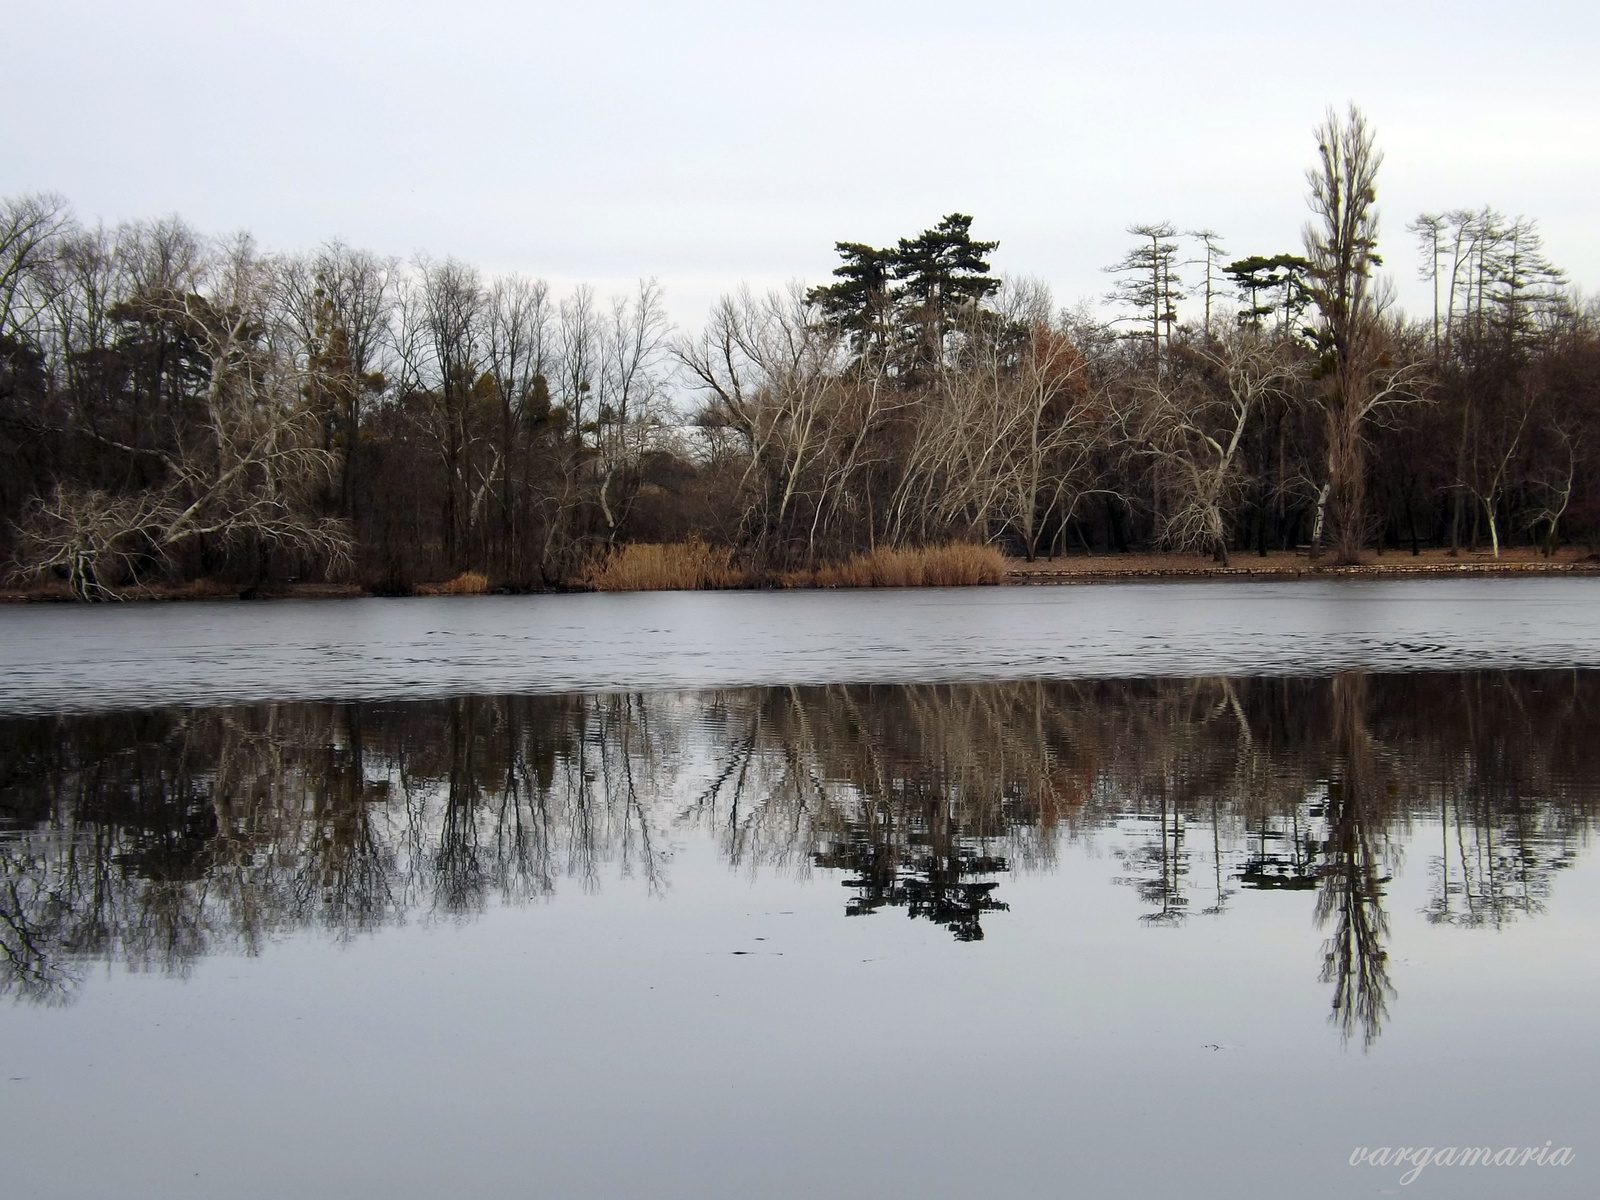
(1353, 871)
(152, 838)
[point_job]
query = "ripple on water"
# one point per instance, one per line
(59, 658)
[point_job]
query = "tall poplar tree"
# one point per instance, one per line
(1341, 243)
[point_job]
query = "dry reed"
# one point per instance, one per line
(958, 564)
(468, 583)
(663, 567)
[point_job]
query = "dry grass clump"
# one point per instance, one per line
(663, 567)
(959, 564)
(962, 564)
(468, 583)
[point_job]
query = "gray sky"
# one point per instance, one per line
(712, 143)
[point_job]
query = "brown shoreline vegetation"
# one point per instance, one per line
(1431, 563)
(694, 566)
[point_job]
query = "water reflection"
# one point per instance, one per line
(152, 838)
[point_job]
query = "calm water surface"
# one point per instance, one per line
(62, 657)
(1165, 933)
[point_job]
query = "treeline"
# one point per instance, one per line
(173, 407)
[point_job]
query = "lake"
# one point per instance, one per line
(1115, 891)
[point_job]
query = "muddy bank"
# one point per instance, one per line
(1103, 568)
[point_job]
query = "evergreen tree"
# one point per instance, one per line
(904, 301)
(1152, 288)
(944, 273)
(861, 303)
(1281, 278)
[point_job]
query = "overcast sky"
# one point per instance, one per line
(712, 143)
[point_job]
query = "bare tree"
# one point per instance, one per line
(630, 414)
(338, 303)
(578, 343)
(1004, 441)
(1554, 485)
(1192, 423)
(516, 352)
(773, 374)
(30, 229)
(440, 356)
(91, 278)
(1358, 370)
(1429, 230)
(248, 468)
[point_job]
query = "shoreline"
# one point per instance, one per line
(1103, 568)
(1064, 571)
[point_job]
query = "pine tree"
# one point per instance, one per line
(862, 302)
(1152, 288)
(902, 303)
(1280, 277)
(944, 273)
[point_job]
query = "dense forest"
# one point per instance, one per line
(174, 407)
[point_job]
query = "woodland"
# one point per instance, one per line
(176, 408)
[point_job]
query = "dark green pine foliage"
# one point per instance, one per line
(862, 302)
(944, 273)
(1281, 279)
(900, 304)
